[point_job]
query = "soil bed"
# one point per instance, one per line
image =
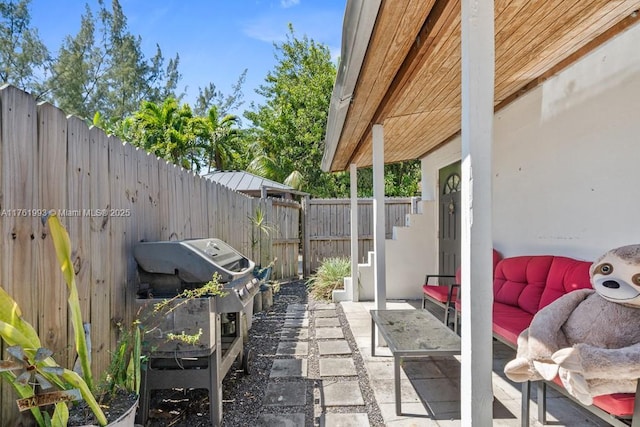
(113, 407)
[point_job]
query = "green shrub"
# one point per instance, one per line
(329, 276)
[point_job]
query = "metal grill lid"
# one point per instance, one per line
(193, 261)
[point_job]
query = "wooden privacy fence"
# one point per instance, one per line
(328, 227)
(109, 195)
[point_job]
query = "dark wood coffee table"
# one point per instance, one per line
(412, 334)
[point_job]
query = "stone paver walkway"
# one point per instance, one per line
(313, 336)
(317, 366)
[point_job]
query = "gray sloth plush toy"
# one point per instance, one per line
(590, 338)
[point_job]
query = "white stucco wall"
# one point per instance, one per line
(567, 159)
(409, 257)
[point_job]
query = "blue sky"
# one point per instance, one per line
(216, 39)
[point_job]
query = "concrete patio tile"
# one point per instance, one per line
(424, 368)
(403, 305)
(289, 368)
(329, 333)
(344, 420)
(296, 315)
(289, 334)
(325, 322)
(296, 307)
(382, 369)
(414, 415)
(362, 341)
(508, 423)
(437, 389)
(293, 348)
(296, 323)
(327, 348)
(381, 353)
(448, 365)
(333, 367)
(361, 328)
(383, 390)
(322, 306)
(341, 393)
(280, 420)
(325, 313)
(286, 394)
(357, 315)
(353, 307)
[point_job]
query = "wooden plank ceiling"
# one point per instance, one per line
(411, 76)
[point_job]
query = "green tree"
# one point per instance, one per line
(219, 138)
(23, 57)
(102, 69)
(210, 96)
(290, 127)
(166, 130)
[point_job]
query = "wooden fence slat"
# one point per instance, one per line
(98, 215)
(18, 144)
(52, 167)
(78, 194)
(163, 199)
(120, 217)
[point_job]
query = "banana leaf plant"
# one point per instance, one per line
(17, 332)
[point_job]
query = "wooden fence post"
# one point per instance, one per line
(306, 242)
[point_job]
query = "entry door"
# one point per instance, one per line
(449, 235)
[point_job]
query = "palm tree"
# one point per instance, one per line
(167, 130)
(219, 138)
(271, 168)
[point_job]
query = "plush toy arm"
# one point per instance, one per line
(545, 328)
(546, 335)
(596, 362)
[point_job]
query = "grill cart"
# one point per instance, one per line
(165, 270)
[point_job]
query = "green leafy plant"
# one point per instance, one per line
(32, 368)
(328, 277)
(15, 331)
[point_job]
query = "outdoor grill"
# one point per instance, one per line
(165, 270)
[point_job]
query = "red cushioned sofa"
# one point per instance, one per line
(525, 284)
(522, 286)
(442, 289)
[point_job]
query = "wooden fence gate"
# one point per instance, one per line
(328, 227)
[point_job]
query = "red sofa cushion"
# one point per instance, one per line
(496, 259)
(439, 292)
(565, 275)
(618, 404)
(519, 281)
(509, 321)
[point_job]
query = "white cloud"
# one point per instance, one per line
(289, 3)
(321, 25)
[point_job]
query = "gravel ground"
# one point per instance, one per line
(243, 395)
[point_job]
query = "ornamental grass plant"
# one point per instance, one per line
(329, 277)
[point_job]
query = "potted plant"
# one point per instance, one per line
(33, 372)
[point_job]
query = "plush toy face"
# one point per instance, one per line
(616, 275)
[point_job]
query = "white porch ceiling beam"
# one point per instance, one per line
(478, 73)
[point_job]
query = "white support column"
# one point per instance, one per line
(354, 292)
(478, 70)
(380, 292)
